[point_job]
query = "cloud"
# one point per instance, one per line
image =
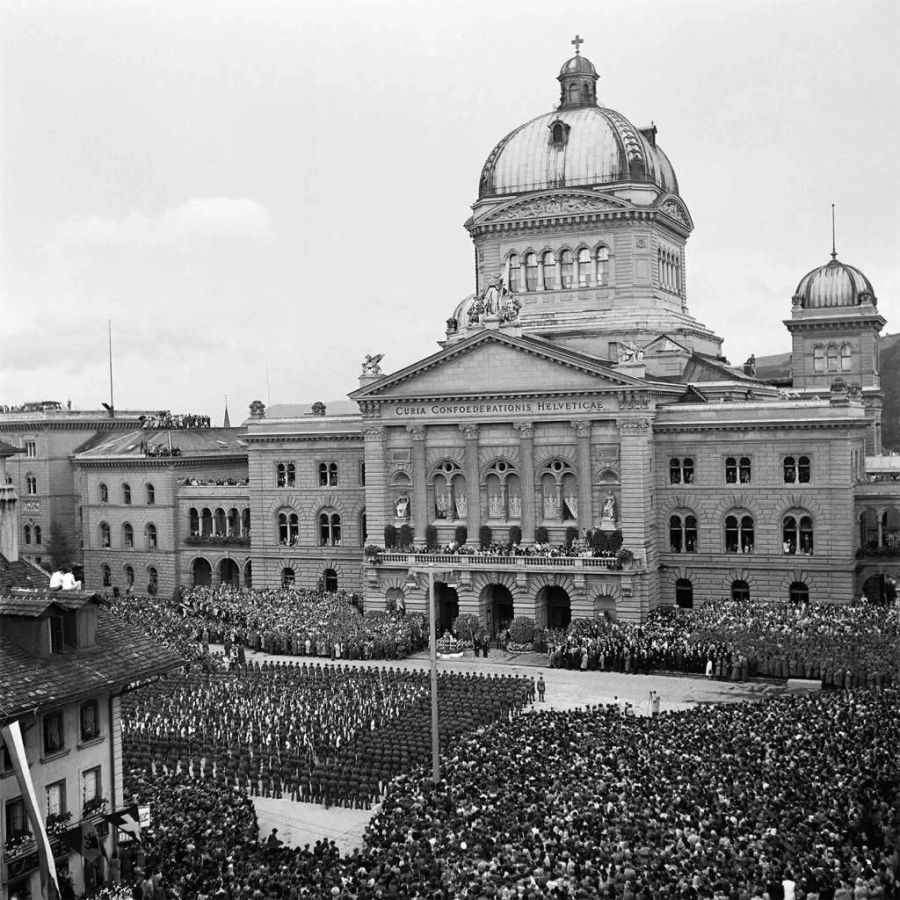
(198, 218)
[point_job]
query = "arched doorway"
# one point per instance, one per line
(740, 591)
(554, 607)
(684, 593)
(447, 602)
(229, 573)
(880, 589)
(330, 580)
(395, 600)
(498, 607)
(201, 573)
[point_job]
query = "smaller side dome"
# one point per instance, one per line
(834, 284)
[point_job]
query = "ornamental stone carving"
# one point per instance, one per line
(374, 433)
(554, 206)
(633, 399)
(634, 427)
(525, 429)
(674, 210)
(417, 432)
(582, 429)
(470, 432)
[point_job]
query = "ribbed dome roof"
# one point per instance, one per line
(834, 284)
(600, 147)
(578, 65)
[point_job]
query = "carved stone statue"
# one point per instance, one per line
(371, 365)
(452, 325)
(630, 352)
(492, 297)
(401, 506)
(609, 508)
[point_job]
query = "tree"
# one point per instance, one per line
(431, 537)
(406, 536)
(59, 547)
(390, 537)
(515, 534)
(485, 536)
(461, 534)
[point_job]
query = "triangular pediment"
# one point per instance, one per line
(675, 209)
(559, 203)
(491, 363)
(665, 344)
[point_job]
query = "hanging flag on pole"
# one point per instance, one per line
(12, 737)
(128, 820)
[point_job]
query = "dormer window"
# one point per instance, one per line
(559, 133)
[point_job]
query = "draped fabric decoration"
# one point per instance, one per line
(515, 506)
(570, 507)
(495, 507)
(442, 503)
(462, 506)
(551, 506)
(12, 736)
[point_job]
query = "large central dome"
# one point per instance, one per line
(580, 144)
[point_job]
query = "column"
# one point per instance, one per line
(634, 502)
(585, 476)
(420, 483)
(526, 476)
(473, 486)
(376, 483)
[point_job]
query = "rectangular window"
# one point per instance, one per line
(56, 798)
(90, 722)
(90, 785)
(16, 821)
(57, 639)
(31, 448)
(54, 740)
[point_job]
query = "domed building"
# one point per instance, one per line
(577, 445)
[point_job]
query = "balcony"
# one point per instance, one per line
(479, 561)
(217, 540)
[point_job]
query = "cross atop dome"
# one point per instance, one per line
(577, 42)
(578, 78)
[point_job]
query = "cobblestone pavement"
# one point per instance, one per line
(302, 823)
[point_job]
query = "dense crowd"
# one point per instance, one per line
(840, 645)
(329, 734)
(546, 549)
(278, 621)
(796, 797)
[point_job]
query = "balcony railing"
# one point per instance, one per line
(488, 561)
(217, 540)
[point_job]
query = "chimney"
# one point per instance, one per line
(9, 511)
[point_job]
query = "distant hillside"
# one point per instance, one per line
(889, 358)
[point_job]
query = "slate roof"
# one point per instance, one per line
(121, 655)
(34, 603)
(21, 574)
(8, 449)
(190, 441)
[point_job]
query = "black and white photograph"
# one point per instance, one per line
(449, 450)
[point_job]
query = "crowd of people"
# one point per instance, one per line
(795, 797)
(538, 548)
(840, 645)
(330, 734)
(165, 419)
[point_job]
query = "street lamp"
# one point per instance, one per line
(413, 582)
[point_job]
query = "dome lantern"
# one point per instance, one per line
(578, 80)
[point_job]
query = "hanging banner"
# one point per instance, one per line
(12, 737)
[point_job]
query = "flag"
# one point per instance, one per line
(127, 820)
(12, 737)
(90, 840)
(73, 839)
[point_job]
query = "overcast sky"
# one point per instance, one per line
(284, 184)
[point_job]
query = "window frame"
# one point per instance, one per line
(56, 716)
(31, 484)
(62, 806)
(128, 535)
(126, 494)
(152, 536)
(150, 493)
(89, 735)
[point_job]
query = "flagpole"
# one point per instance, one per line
(112, 404)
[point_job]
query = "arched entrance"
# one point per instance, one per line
(498, 607)
(605, 607)
(447, 602)
(330, 580)
(201, 573)
(229, 573)
(554, 607)
(880, 589)
(395, 600)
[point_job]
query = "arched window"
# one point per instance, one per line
(818, 358)
(683, 533)
(129, 577)
(150, 531)
(330, 581)
(681, 471)
(232, 522)
(37, 534)
(248, 574)
(790, 470)
(329, 529)
(328, 474)
(287, 577)
(30, 484)
(450, 501)
(684, 593)
(27, 532)
(559, 492)
(126, 494)
(798, 592)
(106, 575)
(104, 493)
(585, 276)
(739, 534)
(504, 491)
(602, 257)
(219, 522)
(558, 134)
(868, 529)
(573, 93)
(281, 475)
(797, 534)
(803, 470)
(127, 535)
(151, 495)
(245, 523)
(566, 268)
(152, 581)
(104, 534)
(514, 273)
(549, 261)
(846, 358)
(740, 591)
(531, 271)
(194, 522)
(832, 357)
(737, 470)
(288, 529)
(291, 475)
